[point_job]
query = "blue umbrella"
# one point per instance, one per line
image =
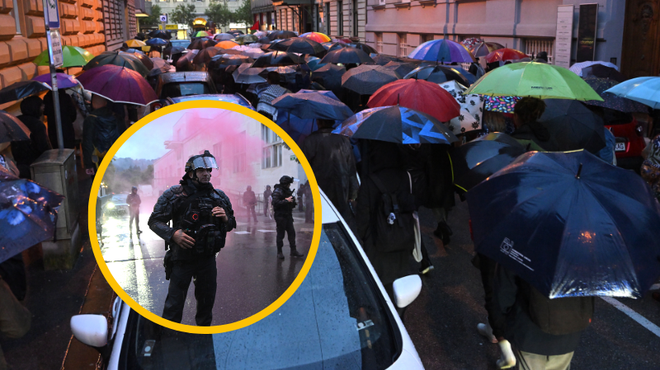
(446, 51)
(298, 128)
(157, 42)
(313, 104)
(569, 224)
(396, 124)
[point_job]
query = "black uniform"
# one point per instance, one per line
(283, 210)
(189, 205)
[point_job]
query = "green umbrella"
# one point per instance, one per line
(73, 57)
(537, 80)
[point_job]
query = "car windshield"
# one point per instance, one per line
(172, 90)
(336, 319)
(119, 198)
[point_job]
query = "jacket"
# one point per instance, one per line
(168, 208)
(100, 131)
(281, 206)
(27, 151)
(68, 114)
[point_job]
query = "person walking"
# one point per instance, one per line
(101, 129)
(267, 200)
(283, 205)
(68, 115)
(133, 200)
(27, 151)
(250, 202)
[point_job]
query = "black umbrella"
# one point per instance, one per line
(144, 59)
(118, 58)
(313, 104)
(185, 63)
(382, 59)
(281, 35)
(602, 71)
(401, 69)
(610, 100)
(329, 75)
(223, 36)
(572, 126)
(347, 56)
(201, 43)
(204, 56)
(22, 89)
(221, 61)
(364, 47)
(160, 35)
(474, 161)
(300, 45)
(330, 46)
(264, 40)
(438, 74)
(245, 74)
(235, 32)
(12, 129)
(366, 79)
(278, 58)
(569, 224)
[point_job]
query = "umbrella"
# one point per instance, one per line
(471, 42)
(471, 105)
(382, 59)
(569, 224)
(278, 58)
(438, 74)
(313, 104)
(204, 56)
(475, 161)
(329, 75)
(235, 32)
(161, 64)
(296, 127)
(12, 129)
(143, 58)
(645, 90)
(73, 56)
(223, 36)
(419, 95)
(316, 36)
(313, 62)
(160, 35)
(502, 104)
(577, 67)
(203, 43)
(364, 47)
(401, 69)
(135, 43)
(224, 60)
(250, 52)
(330, 46)
(118, 84)
(281, 35)
(611, 101)
(396, 124)
(157, 42)
(201, 34)
(599, 70)
(245, 39)
(538, 80)
(22, 89)
(442, 51)
(502, 55)
(172, 50)
(483, 48)
(347, 56)
(64, 81)
(366, 79)
(572, 126)
(185, 63)
(245, 74)
(118, 58)
(264, 40)
(299, 45)
(226, 44)
(27, 215)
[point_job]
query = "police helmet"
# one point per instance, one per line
(286, 180)
(206, 160)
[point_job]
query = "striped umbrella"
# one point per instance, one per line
(444, 50)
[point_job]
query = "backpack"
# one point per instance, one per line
(394, 218)
(559, 316)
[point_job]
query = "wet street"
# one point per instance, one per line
(250, 277)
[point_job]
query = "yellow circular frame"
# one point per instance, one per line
(316, 237)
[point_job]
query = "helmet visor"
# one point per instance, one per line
(204, 162)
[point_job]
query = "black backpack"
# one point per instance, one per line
(394, 219)
(559, 316)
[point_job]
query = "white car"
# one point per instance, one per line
(339, 318)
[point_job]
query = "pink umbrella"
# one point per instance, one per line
(63, 80)
(118, 84)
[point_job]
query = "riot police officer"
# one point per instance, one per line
(201, 217)
(283, 205)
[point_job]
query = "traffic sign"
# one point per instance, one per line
(56, 42)
(163, 18)
(51, 13)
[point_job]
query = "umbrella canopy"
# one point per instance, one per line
(118, 84)
(482, 49)
(22, 89)
(569, 224)
(235, 32)
(599, 70)
(502, 55)
(611, 101)
(366, 79)
(502, 104)
(316, 36)
(471, 42)
(278, 58)
(223, 60)
(645, 90)
(382, 59)
(64, 81)
(471, 113)
(27, 215)
(143, 58)
(419, 95)
(245, 39)
(12, 129)
(446, 51)
(223, 36)
(281, 35)
(120, 59)
(250, 52)
(160, 34)
(203, 43)
(135, 43)
(226, 44)
(401, 69)
(173, 50)
(577, 67)
(185, 63)
(476, 160)
(572, 126)
(264, 40)
(313, 104)
(299, 45)
(396, 124)
(364, 47)
(330, 46)
(204, 56)
(347, 56)
(245, 74)
(201, 34)
(537, 80)
(329, 75)
(438, 74)
(73, 56)
(157, 42)
(161, 64)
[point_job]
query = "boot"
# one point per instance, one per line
(508, 359)
(280, 255)
(443, 232)
(295, 253)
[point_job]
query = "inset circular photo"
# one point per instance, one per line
(205, 217)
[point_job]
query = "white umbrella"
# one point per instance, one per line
(578, 67)
(472, 107)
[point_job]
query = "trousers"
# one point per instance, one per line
(203, 272)
(134, 215)
(285, 224)
(532, 361)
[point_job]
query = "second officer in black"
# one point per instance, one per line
(201, 217)
(283, 205)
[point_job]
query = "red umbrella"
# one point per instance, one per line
(501, 55)
(118, 84)
(420, 95)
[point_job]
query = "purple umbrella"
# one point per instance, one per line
(64, 81)
(442, 51)
(118, 84)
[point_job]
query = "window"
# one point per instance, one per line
(272, 150)
(379, 42)
(355, 19)
(327, 19)
(340, 18)
(15, 13)
(402, 44)
(240, 164)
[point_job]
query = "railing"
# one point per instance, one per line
(535, 46)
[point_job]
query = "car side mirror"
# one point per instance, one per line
(406, 290)
(91, 330)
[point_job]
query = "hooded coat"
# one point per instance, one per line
(27, 151)
(68, 114)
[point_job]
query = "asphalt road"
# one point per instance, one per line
(250, 277)
(442, 321)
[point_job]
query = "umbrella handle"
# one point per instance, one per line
(577, 176)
